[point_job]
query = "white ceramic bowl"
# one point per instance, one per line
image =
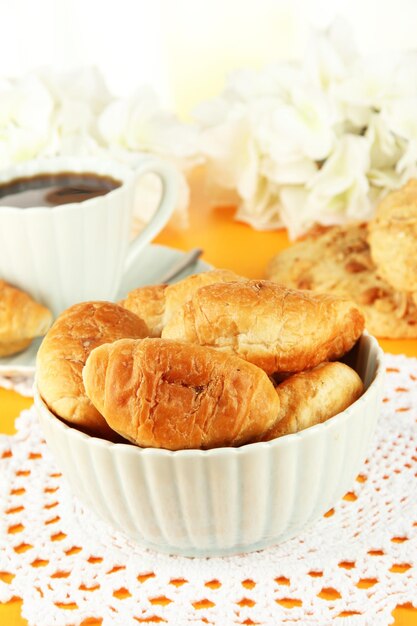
(226, 500)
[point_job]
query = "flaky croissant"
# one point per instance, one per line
(21, 319)
(276, 328)
(314, 396)
(169, 394)
(156, 304)
(64, 351)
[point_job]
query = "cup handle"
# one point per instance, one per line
(170, 183)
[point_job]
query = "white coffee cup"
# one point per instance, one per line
(79, 251)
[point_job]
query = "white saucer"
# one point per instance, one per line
(155, 261)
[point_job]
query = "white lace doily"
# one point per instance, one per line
(358, 561)
(19, 381)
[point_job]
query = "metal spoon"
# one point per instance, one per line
(188, 259)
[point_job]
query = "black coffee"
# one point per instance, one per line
(51, 190)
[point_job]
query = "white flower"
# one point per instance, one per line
(213, 112)
(233, 161)
(30, 104)
(232, 154)
(404, 81)
(368, 87)
(385, 146)
(385, 180)
(139, 124)
(317, 141)
(272, 82)
(263, 209)
(294, 200)
(81, 85)
(300, 129)
(386, 150)
(288, 172)
(407, 165)
(25, 113)
(265, 140)
(329, 55)
(400, 116)
(338, 190)
(79, 96)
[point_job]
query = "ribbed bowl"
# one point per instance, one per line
(226, 500)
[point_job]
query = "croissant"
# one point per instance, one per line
(314, 396)
(149, 304)
(276, 328)
(157, 303)
(169, 394)
(21, 319)
(64, 351)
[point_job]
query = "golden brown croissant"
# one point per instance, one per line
(149, 304)
(314, 396)
(276, 328)
(156, 304)
(64, 351)
(21, 319)
(168, 394)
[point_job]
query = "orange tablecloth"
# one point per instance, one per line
(226, 244)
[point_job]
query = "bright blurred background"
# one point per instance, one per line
(184, 48)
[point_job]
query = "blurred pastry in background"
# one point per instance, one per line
(338, 260)
(393, 238)
(21, 319)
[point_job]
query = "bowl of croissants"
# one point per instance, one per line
(214, 416)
